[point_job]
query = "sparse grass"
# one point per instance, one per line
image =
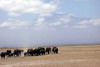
(69, 56)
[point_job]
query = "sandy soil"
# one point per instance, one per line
(69, 56)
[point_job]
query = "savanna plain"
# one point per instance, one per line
(68, 56)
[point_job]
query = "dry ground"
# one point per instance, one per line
(69, 56)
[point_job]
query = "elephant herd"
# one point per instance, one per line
(30, 52)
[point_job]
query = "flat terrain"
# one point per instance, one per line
(69, 56)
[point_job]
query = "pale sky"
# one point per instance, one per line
(49, 22)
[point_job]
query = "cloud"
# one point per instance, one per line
(4, 24)
(65, 18)
(82, 0)
(95, 22)
(66, 26)
(52, 22)
(61, 20)
(40, 24)
(55, 23)
(27, 6)
(79, 26)
(40, 20)
(14, 14)
(14, 24)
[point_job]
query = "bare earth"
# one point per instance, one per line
(69, 56)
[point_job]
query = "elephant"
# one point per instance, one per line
(3, 55)
(55, 50)
(42, 51)
(35, 52)
(17, 52)
(25, 54)
(48, 50)
(11, 54)
(8, 52)
(29, 52)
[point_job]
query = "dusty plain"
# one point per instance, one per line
(69, 56)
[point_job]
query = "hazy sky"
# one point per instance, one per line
(49, 22)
